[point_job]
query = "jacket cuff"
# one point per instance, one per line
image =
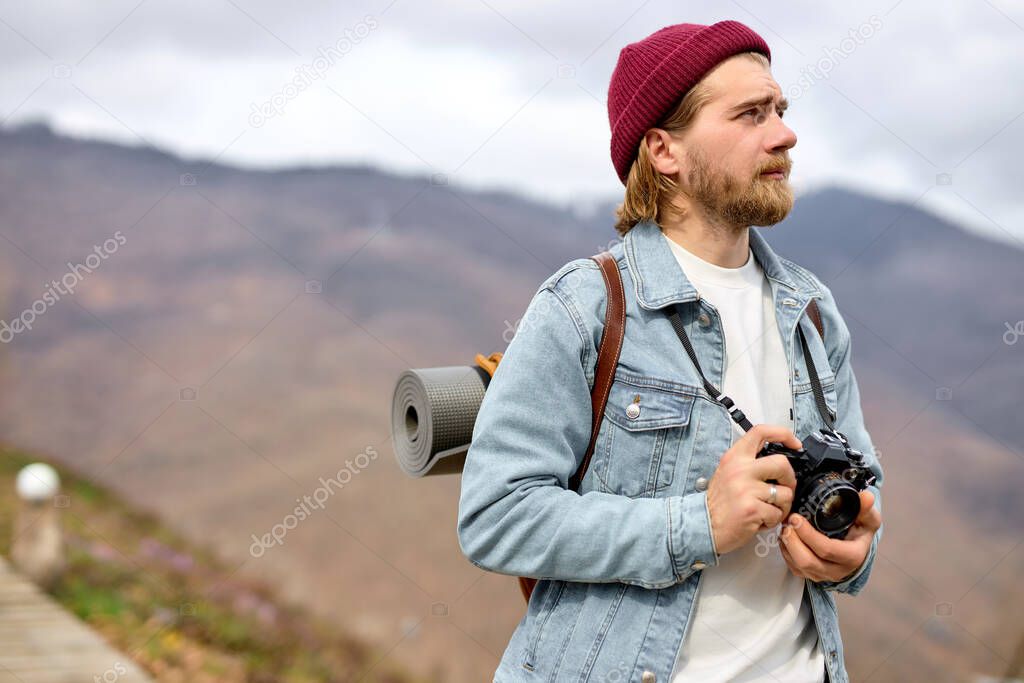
(691, 545)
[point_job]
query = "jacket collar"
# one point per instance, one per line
(659, 281)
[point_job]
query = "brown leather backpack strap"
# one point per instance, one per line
(812, 310)
(607, 355)
(526, 585)
(604, 372)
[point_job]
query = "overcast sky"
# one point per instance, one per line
(894, 97)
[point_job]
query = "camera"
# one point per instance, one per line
(830, 475)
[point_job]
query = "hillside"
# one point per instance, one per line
(178, 610)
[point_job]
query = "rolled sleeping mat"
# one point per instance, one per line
(432, 415)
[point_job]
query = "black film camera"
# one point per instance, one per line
(829, 478)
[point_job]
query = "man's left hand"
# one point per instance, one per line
(812, 555)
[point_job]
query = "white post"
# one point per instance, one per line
(37, 549)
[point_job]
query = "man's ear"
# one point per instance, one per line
(659, 151)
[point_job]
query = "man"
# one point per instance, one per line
(668, 565)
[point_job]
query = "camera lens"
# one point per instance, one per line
(833, 502)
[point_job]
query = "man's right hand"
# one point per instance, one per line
(738, 491)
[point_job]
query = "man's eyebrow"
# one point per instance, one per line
(762, 100)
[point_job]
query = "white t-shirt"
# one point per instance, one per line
(750, 621)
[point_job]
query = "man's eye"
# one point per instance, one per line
(756, 112)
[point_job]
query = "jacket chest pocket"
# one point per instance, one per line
(808, 418)
(643, 436)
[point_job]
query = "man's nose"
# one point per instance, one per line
(782, 137)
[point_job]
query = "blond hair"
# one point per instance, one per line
(650, 193)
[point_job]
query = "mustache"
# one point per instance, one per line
(782, 166)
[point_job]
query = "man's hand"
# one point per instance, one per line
(813, 555)
(738, 492)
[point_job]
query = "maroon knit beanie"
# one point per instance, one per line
(653, 74)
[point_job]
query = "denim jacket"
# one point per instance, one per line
(618, 564)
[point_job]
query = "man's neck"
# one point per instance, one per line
(722, 246)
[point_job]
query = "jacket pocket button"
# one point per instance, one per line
(704, 319)
(633, 411)
(649, 677)
(701, 483)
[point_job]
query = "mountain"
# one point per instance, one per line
(238, 339)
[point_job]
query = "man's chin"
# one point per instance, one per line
(775, 206)
(766, 213)
(770, 221)
(775, 216)
(781, 210)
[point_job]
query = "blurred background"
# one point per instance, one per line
(227, 227)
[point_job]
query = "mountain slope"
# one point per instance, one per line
(241, 347)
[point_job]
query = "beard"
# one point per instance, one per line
(739, 202)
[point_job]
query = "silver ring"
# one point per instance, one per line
(772, 492)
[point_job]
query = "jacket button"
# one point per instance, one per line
(701, 483)
(704, 319)
(649, 677)
(632, 411)
(699, 564)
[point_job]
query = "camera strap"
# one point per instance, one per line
(827, 416)
(737, 415)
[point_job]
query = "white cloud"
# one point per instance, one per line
(442, 82)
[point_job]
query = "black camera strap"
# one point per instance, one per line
(827, 416)
(737, 415)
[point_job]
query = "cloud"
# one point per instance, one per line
(890, 95)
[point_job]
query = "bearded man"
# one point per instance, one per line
(681, 557)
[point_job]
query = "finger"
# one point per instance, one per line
(828, 549)
(775, 467)
(770, 515)
(870, 517)
(793, 569)
(754, 440)
(804, 559)
(783, 497)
